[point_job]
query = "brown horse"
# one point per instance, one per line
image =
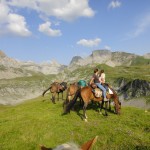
(87, 95)
(56, 88)
(71, 90)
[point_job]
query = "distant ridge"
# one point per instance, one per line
(110, 58)
(12, 68)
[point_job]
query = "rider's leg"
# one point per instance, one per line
(103, 89)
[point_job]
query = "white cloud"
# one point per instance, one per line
(11, 23)
(107, 47)
(32, 4)
(68, 10)
(46, 29)
(4, 12)
(141, 26)
(89, 43)
(114, 4)
(17, 25)
(64, 9)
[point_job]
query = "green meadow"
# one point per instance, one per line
(39, 121)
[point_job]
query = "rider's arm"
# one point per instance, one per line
(91, 81)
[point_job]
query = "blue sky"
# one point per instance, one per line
(46, 30)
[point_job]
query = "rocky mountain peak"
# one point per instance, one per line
(101, 52)
(2, 54)
(76, 59)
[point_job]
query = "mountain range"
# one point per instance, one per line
(109, 58)
(11, 68)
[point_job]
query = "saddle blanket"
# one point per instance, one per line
(110, 91)
(98, 92)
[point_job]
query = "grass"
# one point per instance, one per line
(38, 121)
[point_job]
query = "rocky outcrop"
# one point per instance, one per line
(18, 94)
(134, 89)
(147, 56)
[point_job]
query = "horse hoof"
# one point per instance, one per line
(65, 113)
(100, 113)
(85, 120)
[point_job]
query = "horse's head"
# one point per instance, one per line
(118, 106)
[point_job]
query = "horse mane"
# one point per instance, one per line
(115, 94)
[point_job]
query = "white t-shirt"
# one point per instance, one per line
(102, 78)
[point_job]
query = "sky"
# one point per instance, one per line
(47, 30)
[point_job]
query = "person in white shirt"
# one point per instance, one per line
(102, 77)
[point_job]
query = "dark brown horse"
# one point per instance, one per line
(56, 88)
(87, 95)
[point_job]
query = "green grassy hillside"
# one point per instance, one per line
(140, 61)
(25, 126)
(112, 73)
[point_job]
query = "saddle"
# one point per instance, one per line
(61, 87)
(98, 92)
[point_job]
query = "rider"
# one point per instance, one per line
(102, 77)
(95, 78)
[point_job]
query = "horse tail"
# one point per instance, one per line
(46, 90)
(72, 102)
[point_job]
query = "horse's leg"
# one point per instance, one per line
(84, 111)
(68, 98)
(106, 105)
(101, 104)
(81, 102)
(109, 105)
(53, 97)
(62, 96)
(58, 97)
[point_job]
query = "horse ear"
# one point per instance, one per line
(88, 145)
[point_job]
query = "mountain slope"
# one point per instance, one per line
(11, 68)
